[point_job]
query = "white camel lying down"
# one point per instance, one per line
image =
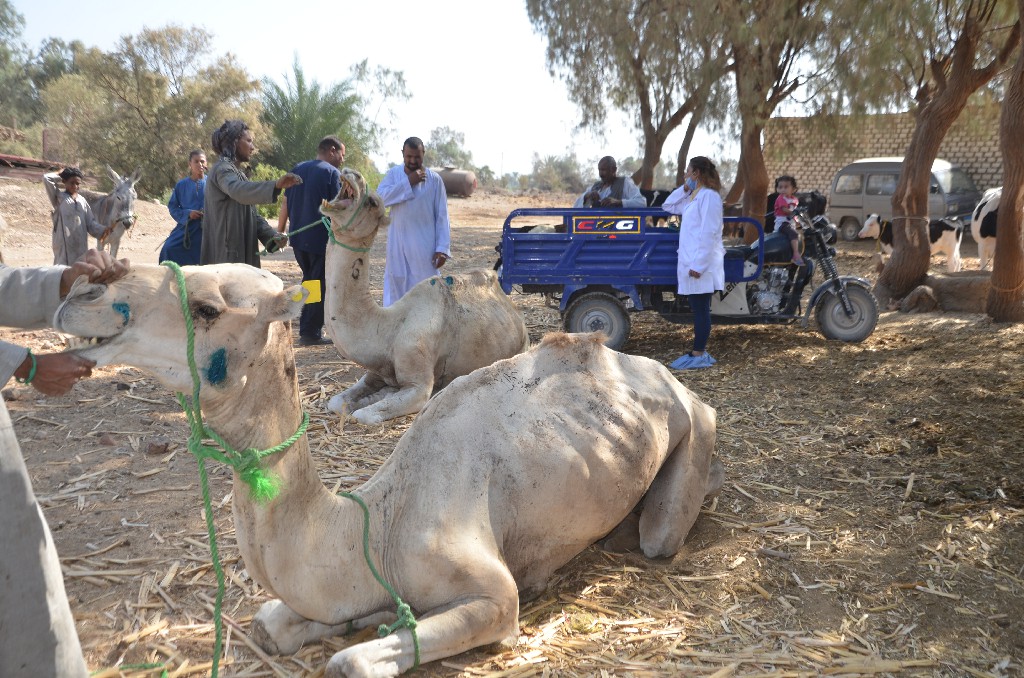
(442, 328)
(505, 475)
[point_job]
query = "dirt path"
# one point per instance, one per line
(871, 522)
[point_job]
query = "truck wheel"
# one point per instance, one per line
(834, 322)
(598, 312)
(848, 229)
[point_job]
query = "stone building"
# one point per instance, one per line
(814, 150)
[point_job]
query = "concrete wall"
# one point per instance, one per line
(813, 151)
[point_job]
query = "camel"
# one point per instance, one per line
(505, 475)
(441, 329)
(115, 210)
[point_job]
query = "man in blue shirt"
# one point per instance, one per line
(186, 206)
(321, 180)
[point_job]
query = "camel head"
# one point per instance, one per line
(356, 213)
(138, 321)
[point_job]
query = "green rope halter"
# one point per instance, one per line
(262, 486)
(405, 620)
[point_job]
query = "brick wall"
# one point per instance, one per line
(813, 151)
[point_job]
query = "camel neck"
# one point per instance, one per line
(348, 274)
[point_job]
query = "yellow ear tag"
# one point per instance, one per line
(297, 296)
(314, 291)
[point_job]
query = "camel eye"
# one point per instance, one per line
(205, 312)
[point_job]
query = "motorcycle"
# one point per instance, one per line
(844, 306)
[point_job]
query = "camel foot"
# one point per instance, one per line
(382, 658)
(339, 405)
(279, 630)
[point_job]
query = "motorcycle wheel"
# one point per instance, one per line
(835, 324)
(598, 312)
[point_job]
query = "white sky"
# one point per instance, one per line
(476, 67)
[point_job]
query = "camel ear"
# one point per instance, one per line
(288, 304)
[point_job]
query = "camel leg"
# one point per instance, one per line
(407, 400)
(277, 629)
(352, 398)
(673, 501)
(475, 620)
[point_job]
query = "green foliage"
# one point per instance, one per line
(560, 174)
(147, 103)
(445, 149)
(302, 113)
(658, 61)
(267, 172)
(28, 145)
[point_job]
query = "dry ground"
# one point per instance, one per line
(871, 523)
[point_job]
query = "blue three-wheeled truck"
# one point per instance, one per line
(599, 265)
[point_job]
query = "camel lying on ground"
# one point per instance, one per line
(504, 476)
(443, 328)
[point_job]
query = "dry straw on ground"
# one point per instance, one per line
(871, 522)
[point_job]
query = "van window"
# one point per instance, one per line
(881, 184)
(849, 184)
(955, 181)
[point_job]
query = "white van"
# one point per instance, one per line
(866, 187)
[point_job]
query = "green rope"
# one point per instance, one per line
(322, 220)
(405, 620)
(262, 486)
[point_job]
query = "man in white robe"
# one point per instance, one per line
(419, 237)
(611, 190)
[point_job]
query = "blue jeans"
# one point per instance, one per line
(700, 304)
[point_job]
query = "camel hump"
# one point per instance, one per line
(588, 343)
(480, 276)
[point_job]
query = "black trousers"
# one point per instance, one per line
(312, 264)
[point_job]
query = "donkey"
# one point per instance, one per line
(115, 210)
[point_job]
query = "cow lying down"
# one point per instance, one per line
(945, 236)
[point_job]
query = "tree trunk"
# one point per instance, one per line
(953, 79)
(684, 148)
(911, 255)
(1006, 293)
(755, 176)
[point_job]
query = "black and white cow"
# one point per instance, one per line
(983, 225)
(655, 197)
(944, 235)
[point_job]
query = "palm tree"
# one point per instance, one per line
(302, 113)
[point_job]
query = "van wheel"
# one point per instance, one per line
(849, 228)
(598, 312)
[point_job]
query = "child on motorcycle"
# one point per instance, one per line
(787, 201)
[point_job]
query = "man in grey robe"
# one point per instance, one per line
(37, 632)
(232, 228)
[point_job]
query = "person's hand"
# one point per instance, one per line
(277, 242)
(55, 373)
(98, 266)
(416, 176)
(611, 202)
(439, 259)
(195, 214)
(288, 180)
(694, 274)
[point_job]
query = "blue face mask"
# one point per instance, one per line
(691, 184)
